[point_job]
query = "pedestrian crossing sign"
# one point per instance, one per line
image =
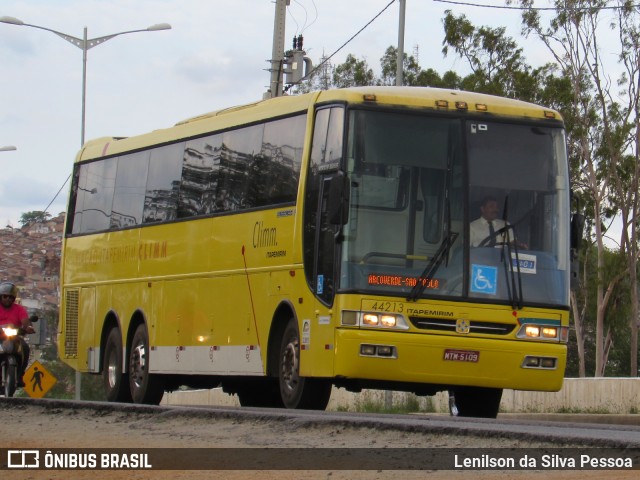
(38, 380)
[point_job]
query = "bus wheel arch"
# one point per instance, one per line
(115, 379)
(146, 388)
(297, 391)
(283, 314)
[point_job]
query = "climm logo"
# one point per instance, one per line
(264, 236)
(149, 250)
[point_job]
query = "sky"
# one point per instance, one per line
(215, 56)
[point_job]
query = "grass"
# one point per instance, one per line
(400, 404)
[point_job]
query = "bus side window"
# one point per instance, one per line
(163, 184)
(95, 196)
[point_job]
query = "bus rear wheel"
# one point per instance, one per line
(145, 387)
(474, 402)
(114, 382)
(296, 391)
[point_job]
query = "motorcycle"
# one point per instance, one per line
(11, 356)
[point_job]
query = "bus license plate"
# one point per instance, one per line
(461, 355)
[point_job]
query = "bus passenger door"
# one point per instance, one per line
(317, 325)
(325, 247)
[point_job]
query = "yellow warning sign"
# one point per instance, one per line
(38, 380)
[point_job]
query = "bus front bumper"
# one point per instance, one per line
(449, 360)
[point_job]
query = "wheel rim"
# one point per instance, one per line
(453, 408)
(112, 370)
(290, 375)
(138, 364)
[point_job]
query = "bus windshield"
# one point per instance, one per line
(420, 189)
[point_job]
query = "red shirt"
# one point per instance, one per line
(14, 315)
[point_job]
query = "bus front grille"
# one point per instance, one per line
(446, 325)
(71, 323)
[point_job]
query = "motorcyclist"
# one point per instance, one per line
(12, 313)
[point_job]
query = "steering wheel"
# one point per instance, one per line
(495, 235)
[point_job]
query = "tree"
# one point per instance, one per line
(353, 73)
(627, 178)
(35, 216)
(584, 308)
(497, 64)
(410, 68)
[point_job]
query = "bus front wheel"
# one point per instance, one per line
(297, 391)
(474, 402)
(115, 383)
(145, 387)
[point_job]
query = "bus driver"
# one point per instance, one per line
(488, 230)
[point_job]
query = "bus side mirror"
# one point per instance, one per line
(339, 191)
(577, 227)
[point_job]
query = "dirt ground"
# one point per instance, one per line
(27, 427)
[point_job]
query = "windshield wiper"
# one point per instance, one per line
(514, 288)
(432, 267)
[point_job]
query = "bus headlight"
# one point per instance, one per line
(371, 319)
(392, 321)
(532, 331)
(387, 320)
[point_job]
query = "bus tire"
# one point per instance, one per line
(145, 387)
(114, 382)
(296, 391)
(476, 402)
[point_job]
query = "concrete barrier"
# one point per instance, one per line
(578, 395)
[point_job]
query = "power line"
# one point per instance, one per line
(341, 46)
(56, 195)
(509, 7)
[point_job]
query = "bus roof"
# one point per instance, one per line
(412, 97)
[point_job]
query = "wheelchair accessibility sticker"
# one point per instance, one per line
(484, 279)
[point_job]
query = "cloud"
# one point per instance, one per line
(19, 191)
(203, 67)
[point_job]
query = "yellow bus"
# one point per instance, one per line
(284, 247)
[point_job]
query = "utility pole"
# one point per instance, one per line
(277, 51)
(291, 65)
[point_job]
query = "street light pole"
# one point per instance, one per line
(84, 44)
(8, 148)
(400, 53)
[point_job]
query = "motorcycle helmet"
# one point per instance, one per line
(8, 288)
